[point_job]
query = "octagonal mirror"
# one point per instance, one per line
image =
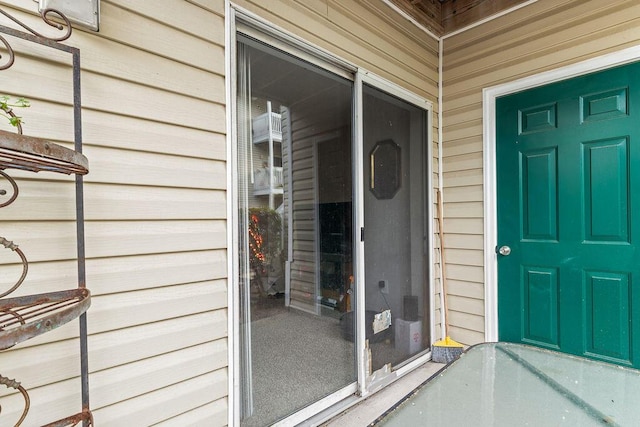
(385, 169)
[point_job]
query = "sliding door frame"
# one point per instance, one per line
(370, 384)
(240, 20)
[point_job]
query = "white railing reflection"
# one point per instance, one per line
(262, 177)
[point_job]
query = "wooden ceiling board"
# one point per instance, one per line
(445, 16)
(457, 14)
(427, 13)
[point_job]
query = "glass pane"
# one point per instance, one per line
(504, 384)
(295, 232)
(395, 201)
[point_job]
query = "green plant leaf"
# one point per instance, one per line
(22, 102)
(6, 105)
(15, 121)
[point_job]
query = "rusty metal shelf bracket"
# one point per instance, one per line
(25, 317)
(9, 383)
(35, 155)
(74, 420)
(45, 14)
(25, 264)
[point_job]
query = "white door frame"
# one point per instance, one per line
(489, 96)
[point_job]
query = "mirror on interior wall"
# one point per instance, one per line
(385, 169)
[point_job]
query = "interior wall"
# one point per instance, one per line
(542, 36)
(387, 221)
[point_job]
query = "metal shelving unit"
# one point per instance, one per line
(25, 317)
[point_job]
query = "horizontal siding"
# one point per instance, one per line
(364, 32)
(102, 130)
(114, 166)
(54, 201)
(151, 136)
(178, 339)
(542, 36)
(122, 273)
(212, 414)
(154, 129)
(133, 99)
(140, 27)
(117, 238)
(123, 383)
(460, 256)
(165, 403)
(304, 291)
(126, 310)
(464, 210)
(186, 17)
(49, 403)
(464, 241)
(155, 170)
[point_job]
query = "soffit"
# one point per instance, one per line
(445, 16)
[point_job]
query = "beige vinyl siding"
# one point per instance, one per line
(365, 32)
(303, 197)
(307, 134)
(542, 36)
(153, 93)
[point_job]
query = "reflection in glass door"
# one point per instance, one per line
(395, 165)
(294, 174)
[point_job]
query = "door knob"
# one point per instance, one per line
(504, 250)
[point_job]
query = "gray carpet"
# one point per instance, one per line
(299, 358)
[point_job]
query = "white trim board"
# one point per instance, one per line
(489, 96)
(233, 369)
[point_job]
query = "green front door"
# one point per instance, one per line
(568, 182)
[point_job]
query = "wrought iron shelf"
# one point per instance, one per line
(73, 420)
(36, 154)
(26, 317)
(84, 417)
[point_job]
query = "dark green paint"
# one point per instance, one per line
(568, 172)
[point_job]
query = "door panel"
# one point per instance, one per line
(608, 331)
(539, 189)
(396, 228)
(606, 189)
(568, 159)
(540, 305)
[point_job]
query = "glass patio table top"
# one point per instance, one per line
(503, 384)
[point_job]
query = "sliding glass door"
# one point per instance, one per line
(332, 231)
(396, 233)
(294, 180)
